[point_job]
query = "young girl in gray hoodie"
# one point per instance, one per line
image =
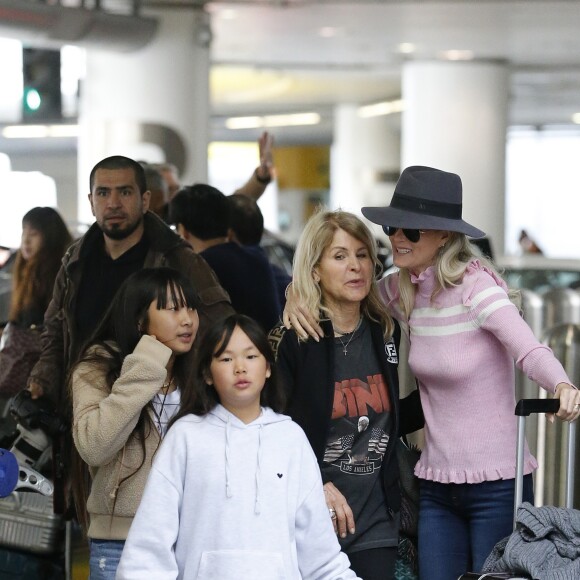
(235, 490)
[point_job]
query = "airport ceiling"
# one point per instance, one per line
(294, 55)
(303, 54)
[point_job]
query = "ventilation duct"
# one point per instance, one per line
(44, 24)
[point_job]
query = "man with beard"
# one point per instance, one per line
(126, 237)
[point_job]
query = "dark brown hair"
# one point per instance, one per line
(202, 398)
(33, 280)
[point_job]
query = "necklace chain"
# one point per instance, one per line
(167, 384)
(345, 346)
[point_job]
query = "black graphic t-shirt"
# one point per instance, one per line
(357, 440)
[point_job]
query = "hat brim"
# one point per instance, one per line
(401, 218)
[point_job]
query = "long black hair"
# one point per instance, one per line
(202, 398)
(116, 337)
(128, 312)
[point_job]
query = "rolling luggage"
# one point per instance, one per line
(27, 523)
(32, 538)
(524, 408)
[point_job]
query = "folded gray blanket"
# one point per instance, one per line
(545, 545)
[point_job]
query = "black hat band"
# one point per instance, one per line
(428, 207)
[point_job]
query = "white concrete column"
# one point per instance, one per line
(455, 119)
(152, 104)
(365, 159)
(11, 75)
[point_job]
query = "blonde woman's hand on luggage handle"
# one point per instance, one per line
(569, 402)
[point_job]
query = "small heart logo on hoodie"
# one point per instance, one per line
(279, 475)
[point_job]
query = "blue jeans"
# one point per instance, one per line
(104, 558)
(459, 524)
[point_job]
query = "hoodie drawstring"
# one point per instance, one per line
(258, 472)
(228, 488)
(257, 507)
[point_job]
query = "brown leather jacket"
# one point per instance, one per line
(60, 346)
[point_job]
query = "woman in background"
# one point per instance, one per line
(45, 239)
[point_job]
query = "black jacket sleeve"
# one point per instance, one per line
(411, 414)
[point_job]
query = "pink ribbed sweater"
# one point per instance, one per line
(463, 347)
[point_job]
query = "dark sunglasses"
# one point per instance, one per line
(412, 235)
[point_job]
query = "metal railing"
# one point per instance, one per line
(555, 319)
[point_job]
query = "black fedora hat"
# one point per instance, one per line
(425, 198)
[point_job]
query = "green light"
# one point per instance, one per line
(32, 99)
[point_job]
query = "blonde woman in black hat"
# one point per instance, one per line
(465, 334)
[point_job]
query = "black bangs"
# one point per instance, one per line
(180, 296)
(230, 326)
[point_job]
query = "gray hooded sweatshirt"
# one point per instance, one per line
(225, 500)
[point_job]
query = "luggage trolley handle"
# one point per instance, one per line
(524, 408)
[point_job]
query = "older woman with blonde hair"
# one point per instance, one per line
(343, 387)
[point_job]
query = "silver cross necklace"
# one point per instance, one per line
(345, 346)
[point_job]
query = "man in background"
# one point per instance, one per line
(253, 188)
(158, 187)
(202, 216)
(247, 228)
(124, 238)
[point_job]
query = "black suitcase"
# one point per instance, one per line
(524, 408)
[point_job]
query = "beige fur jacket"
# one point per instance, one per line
(103, 424)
